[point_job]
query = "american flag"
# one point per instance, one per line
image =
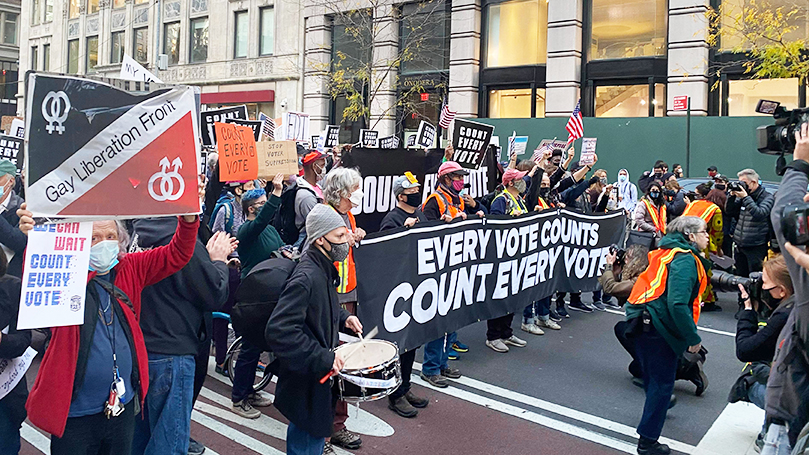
(575, 127)
(447, 116)
(268, 126)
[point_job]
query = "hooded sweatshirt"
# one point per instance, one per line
(628, 193)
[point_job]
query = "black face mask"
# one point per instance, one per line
(767, 298)
(413, 200)
(544, 191)
(721, 187)
(654, 195)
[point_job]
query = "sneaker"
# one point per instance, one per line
(452, 373)
(435, 380)
(650, 447)
(346, 439)
(589, 305)
(599, 306)
(258, 400)
(555, 317)
(195, 447)
(612, 303)
(417, 402)
(328, 449)
(533, 329)
(514, 341)
(497, 345)
(549, 324)
(580, 306)
(402, 407)
(221, 370)
(460, 347)
(452, 354)
(245, 409)
(561, 311)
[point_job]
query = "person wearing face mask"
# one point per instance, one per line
(303, 332)
(728, 222)
(663, 311)
(650, 213)
(751, 206)
(713, 172)
(712, 214)
(677, 169)
(83, 364)
(314, 171)
(227, 215)
(626, 193)
(12, 241)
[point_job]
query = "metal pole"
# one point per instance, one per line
(688, 138)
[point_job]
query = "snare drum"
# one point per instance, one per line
(371, 373)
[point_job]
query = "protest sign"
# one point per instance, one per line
(390, 142)
(332, 136)
(98, 152)
(131, 70)
(451, 275)
(517, 145)
(10, 148)
(470, 141)
(411, 140)
(254, 125)
(588, 151)
(237, 152)
(294, 127)
(55, 275)
(17, 128)
(314, 142)
(208, 118)
(276, 157)
(547, 144)
(13, 370)
(369, 138)
(425, 137)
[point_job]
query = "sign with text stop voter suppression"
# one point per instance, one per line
(680, 103)
(237, 152)
(276, 157)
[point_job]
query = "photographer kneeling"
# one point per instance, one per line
(663, 312)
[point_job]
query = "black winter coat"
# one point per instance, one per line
(753, 214)
(12, 237)
(758, 345)
(12, 345)
(303, 332)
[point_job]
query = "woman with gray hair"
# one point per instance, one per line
(662, 311)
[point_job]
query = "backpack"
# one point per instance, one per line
(284, 219)
(257, 297)
(224, 202)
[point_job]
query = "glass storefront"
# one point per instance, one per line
(628, 28)
(515, 103)
(516, 33)
(629, 100)
(743, 95)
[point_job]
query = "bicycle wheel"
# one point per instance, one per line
(262, 377)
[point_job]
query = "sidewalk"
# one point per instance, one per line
(735, 431)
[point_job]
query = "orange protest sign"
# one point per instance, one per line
(237, 152)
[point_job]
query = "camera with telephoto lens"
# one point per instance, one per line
(619, 253)
(737, 186)
(795, 224)
(779, 138)
(728, 282)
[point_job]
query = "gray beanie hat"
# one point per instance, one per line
(321, 220)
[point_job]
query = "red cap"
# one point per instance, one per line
(512, 174)
(451, 167)
(311, 157)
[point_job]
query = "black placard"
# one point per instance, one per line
(369, 138)
(255, 125)
(11, 149)
(332, 136)
(470, 141)
(208, 118)
(425, 137)
(390, 142)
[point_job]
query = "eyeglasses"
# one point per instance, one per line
(701, 232)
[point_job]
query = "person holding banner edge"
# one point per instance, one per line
(12, 241)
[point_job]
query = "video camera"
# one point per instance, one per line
(779, 138)
(727, 282)
(795, 224)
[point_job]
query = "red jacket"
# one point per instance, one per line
(49, 401)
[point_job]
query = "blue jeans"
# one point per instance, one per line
(757, 393)
(9, 433)
(166, 423)
(300, 442)
(244, 374)
(659, 364)
(436, 355)
(777, 441)
(541, 309)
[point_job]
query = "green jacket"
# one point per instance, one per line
(258, 238)
(672, 313)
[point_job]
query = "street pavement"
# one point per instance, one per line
(567, 392)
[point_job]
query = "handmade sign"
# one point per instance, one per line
(425, 137)
(98, 152)
(208, 118)
(470, 141)
(17, 128)
(588, 151)
(55, 275)
(390, 142)
(10, 148)
(547, 145)
(517, 145)
(332, 136)
(237, 153)
(13, 370)
(369, 138)
(131, 70)
(294, 127)
(254, 125)
(276, 157)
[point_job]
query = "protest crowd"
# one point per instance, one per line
(160, 292)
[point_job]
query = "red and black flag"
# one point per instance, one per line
(95, 151)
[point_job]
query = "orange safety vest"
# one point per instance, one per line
(651, 284)
(445, 204)
(544, 205)
(346, 269)
(658, 215)
(701, 208)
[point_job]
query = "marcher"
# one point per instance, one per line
(12, 241)
(650, 213)
(308, 192)
(227, 214)
(649, 177)
(303, 332)
(713, 172)
(712, 215)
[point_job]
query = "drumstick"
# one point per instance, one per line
(369, 336)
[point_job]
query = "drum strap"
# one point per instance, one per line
(370, 383)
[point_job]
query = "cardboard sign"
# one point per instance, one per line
(237, 152)
(680, 103)
(10, 149)
(294, 127)
(98, 152)
(517, 145)
(470, 140)
(411, 140)
(208, 118)
(332, 136)
(588, 151)
(390, 142)
(276, 157)
(131, 70)
(17, 128)
(547, 144)
(55, 275)
(254, 125)
(369, 138)
(13, 370)
(425, 137)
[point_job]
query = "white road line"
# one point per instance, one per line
(234, 435)
(704, 329)
(35, 438)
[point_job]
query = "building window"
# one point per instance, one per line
(73, 56)
(629, 101)
(267, 31)
(92, 6)
(515, 103)
(73, 9)
(140, 48)
(118, 3)
(92, 54)
(425, 30)
(743, 95)
(171, 42)
(10, 28)
(34, 57)
(629, 28)
(199, 40)
(242, 31)
(517, 33)
(46, 57)
(48, 10)
(36, 12)
(118, 47)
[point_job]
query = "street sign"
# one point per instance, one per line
(680, 103)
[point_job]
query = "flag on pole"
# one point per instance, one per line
(447, 116)
(268, 126)
(575, 127)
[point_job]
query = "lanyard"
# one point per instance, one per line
(111, 336)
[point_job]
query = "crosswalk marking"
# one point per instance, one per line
(234, 435)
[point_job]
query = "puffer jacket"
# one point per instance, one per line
(753, 215)
(643, 220)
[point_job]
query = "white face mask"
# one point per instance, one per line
(622, 177)
(356, 198)
(104, 256)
